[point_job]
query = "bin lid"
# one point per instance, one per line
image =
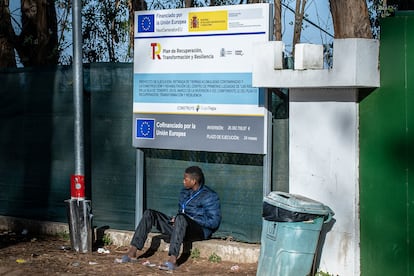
(297, 203)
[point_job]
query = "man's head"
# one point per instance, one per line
(193, 177)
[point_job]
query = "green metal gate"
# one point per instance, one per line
(387, 156)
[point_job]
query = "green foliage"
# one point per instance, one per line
(105, 31)
(378, 9)
(195, 253)
(321, 273)
(63, 235)
(64, 20)
(386, 11)
(214, 258)
(106, 239)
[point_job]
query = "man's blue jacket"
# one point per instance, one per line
(202, 206)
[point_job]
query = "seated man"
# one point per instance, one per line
(198, 217)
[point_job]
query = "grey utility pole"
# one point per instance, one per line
(78, 209)
(78, 88)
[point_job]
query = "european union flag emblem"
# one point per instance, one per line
(145, 128)
(145, 23)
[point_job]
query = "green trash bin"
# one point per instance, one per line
(290, 234)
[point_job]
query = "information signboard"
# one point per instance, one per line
(193, 79)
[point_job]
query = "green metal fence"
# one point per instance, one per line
(37, 159)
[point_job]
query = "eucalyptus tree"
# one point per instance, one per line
(33, 37)
(7, 36)
(38, 32)
(105, 29)
(350, 19)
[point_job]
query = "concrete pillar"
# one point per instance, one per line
(323, 137)
(323, 165)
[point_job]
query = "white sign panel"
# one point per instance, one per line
(193, 79)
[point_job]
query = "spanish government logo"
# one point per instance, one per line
(194, 22)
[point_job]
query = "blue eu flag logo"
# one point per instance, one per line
(145, 23)
(145, 128)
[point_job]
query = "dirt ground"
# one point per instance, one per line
(51, 255)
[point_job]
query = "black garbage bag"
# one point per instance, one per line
(274, 213)
(284, 207)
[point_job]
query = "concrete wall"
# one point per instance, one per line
(323, 166)
(324, 139)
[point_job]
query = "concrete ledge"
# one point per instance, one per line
(355, 64)
(228, 250)
(32, 226)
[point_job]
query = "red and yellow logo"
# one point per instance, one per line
(208, 21)
(156, 50)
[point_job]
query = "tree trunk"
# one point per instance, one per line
(112, 38)
(299, 13)
(350, 19)
(38, 42)
(277, 24)
(7, 56)
(134, 5)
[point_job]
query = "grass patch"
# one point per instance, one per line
(63, 235)
(214, 258)
(106, 239)
(195, 253)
